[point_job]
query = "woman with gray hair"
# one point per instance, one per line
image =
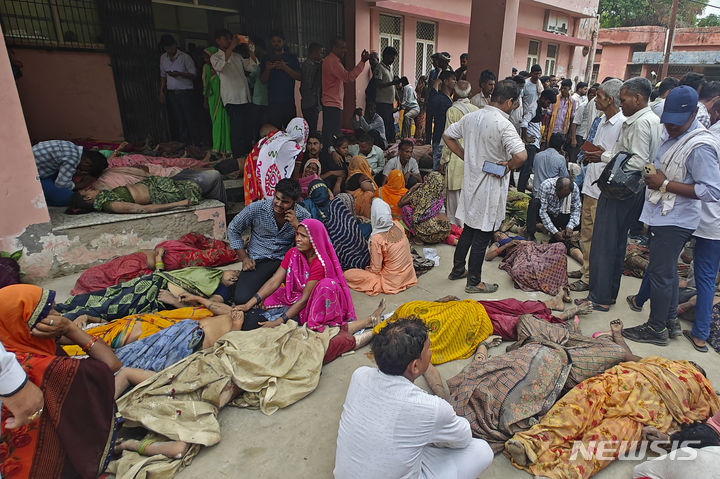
(603, 135)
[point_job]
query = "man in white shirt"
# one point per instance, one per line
(373, 154)
(663, 91)
(606, 135)
(639, 135)
(177, 70)
(17, 393)
(405, 163)
(533, 88)
(234, 88)
(487, 84)
(580, 95)
(492, 147)
(409, 433)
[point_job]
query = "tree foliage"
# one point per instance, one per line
(711, 20)
(630, 13)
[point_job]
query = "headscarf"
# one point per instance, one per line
(277, 156)
(306, 180)
(359, 164)
(22, 306)
(346, 233)
(212, 50)
(393, 190)
(318, 200)
(315, 162)
(380, 217)
(425, 202)
(349, 201)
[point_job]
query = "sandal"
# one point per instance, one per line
(579, 285)
(489, 288)
(702, 349)
(631, 302)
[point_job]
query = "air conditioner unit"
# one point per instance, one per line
(556, 23)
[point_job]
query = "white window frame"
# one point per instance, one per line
(533, 59)
(393, 40)
(551, 62)
(424, 67)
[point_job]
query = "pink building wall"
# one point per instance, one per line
(68, 94)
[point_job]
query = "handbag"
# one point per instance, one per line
(618, 181)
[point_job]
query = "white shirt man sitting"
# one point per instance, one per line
(409, 433)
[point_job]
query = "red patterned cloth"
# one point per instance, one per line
(537, 267)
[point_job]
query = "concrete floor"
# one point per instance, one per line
(299, 441)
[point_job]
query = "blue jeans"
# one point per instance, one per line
(54, 195)
(437, 154)
(707, 262)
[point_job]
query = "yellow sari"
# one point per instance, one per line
(455, 328)
(116, 332)
(613, 407)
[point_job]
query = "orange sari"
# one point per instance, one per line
(393, 190)
(75, 433)
(363, 199)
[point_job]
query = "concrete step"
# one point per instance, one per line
(80, 241)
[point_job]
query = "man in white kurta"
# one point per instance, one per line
(488, 136)
(390, 428)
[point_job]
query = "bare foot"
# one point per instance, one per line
(556, 302)
(165, 296)
(171, 449)
(517, 452)
(376, 316)
(581, 309)
(447, 299)
(616, 328)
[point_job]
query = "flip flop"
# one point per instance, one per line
(600, 334)
(489, 288)
(597, 307)
(702, 349)
(631, 302)
(453, 276)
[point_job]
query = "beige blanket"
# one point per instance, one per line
(273, 368)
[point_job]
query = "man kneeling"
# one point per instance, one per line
(391, 428)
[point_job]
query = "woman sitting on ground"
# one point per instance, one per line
(391, 264)
(150, 195)
(310, 173)
(423, 210)
(611, 410)
(193, 249)
(318, 200)
(151, 293)
(73, 434)
(361, 185)
(309, 285)
(392, 191)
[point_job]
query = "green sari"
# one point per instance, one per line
(218, 114)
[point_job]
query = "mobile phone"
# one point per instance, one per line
(243, 38)
(650, 169)
(494, 169)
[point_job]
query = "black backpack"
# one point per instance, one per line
(618, 181)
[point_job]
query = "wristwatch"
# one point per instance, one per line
(663, 187)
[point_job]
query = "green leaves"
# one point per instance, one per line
(629, 13)
(14, 256)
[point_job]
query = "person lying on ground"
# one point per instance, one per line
(273, 223)
(193, 249)
(504, 394)
(413, 433)
(391, 268)
(151, 293)
(612, 409)
(151, 195)
(308, 285)
(75, 392)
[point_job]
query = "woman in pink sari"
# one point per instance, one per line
(309, 285)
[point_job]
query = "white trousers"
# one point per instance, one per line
(466, 463)
(452, 197)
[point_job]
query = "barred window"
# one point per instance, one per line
(533, 53)
(391, 36)
(51, 23)
(551, 59)
(424, 47)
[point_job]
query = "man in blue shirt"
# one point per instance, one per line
(272, 224)
(280, 70)
(438, 104)
(686, 174)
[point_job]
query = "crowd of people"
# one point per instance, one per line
(327, 212)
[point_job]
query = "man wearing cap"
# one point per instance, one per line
(639, 135)
(686, 174)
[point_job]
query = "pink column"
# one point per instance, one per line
(493, 24)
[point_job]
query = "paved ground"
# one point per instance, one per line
(299, 441)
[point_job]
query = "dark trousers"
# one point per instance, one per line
(526, 168)
(250, 282)
(241, 122)
(210, 182)
(666, 244)
(311, 117)
(573, 151)
(385, 110)
(280, 114)
(332, 119)
(707, 262)
(533, 213)
(607, 255)
(181, 108)
(476, 242)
